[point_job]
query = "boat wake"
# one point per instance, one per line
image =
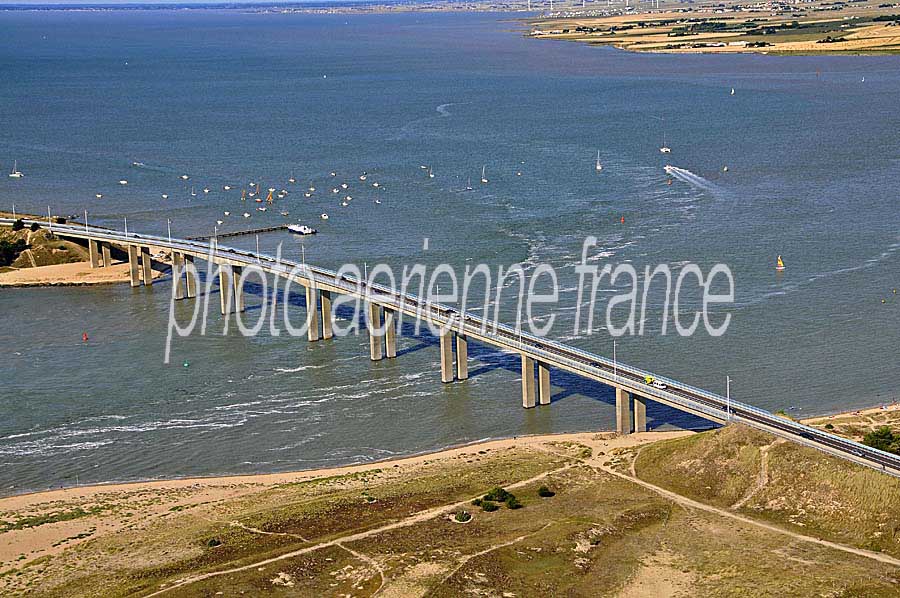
(692, 179)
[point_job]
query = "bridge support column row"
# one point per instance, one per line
(327, 316)
(390, 333)
(236, 272)
(535, 394)
(446, 356)
(631, 412)
(146, 266)
(376, 341)
(93, 253)
(225, 289)
(133, 265)
(190, 277)
(462, 357)
(178, 275)
(312, 314)
(106, 252)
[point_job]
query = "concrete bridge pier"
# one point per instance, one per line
(106, 252)
(133, 266)
(146, 266)
(390, 333)
(376, 341)
(225, 289)
(327, 316)
(543, 383)
(238, 288)
(462, 357)
(446, 356)
(640, 414)
(312, 314)
(527, 382)
(190, 277)
(178, 275)
(623, 411)
(93, 253)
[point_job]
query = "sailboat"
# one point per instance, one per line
(732, 91)
(483, 177)
(193, 193)
(269, 196)
(243, 195)
(15, 174)
(598, 166)
(469, 184)
(292, 179)
(430, 173)
(779, 264)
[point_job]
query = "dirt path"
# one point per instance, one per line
(693, 504)
(419, 517)
(761, 479)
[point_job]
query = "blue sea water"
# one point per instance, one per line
(230, 97)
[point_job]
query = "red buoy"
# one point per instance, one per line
(84, 336)
(623, 219)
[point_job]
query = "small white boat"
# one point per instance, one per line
(665, 150)
(598, 166)
(206, 189)
(193, 193)
(261, 209)
(363, 176)
(732, 91)
(301, 229)
(227, 187)
(123, 182)
(16, 173)
(99, 195)
(348, 198)
(280, 196)
(227, 213)
(311, 188)
(285, 213)
(430, 173)
(469, 184)
(165, 196)
(344, 204)
(246, 214)
(343, 185)
(779, 264)
(219, 222)
(292, 179)
(333, 173)
(324, 216)
(271, 189)
(307, 194)
(518, 173)
(423, 167)
(184, 177)
(724, 169)
(483, 177)
(377, 202)
(137, 164)
(376, 184)
(335, 190)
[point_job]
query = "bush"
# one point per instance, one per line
(476, 502)
(545, 492)
(18, 225)
(213, 542)
(35, 226)
(462, 516)
(498, 495)
(10, 251)
(829, 426)
(883, 439)
(60, 220)
(513, 503)
(489, 506)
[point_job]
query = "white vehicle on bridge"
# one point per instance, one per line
(654, 383)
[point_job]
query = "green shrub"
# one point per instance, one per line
(497, 494)
(476, 502)
(545, 492)
(60, 220)
(18, 225)
(35, 227)
(829, 426)
(462, 516)
(10, 251)
(513, 503)
(213, 542)
(489, 506)
(884, 439)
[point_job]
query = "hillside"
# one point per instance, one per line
(391, 529)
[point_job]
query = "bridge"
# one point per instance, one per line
(383, 304)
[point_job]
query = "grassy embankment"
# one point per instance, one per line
(376, 530)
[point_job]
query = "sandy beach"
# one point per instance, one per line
(75, 274)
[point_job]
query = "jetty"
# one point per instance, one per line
(239, 233)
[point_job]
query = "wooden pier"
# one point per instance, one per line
(238, 233)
